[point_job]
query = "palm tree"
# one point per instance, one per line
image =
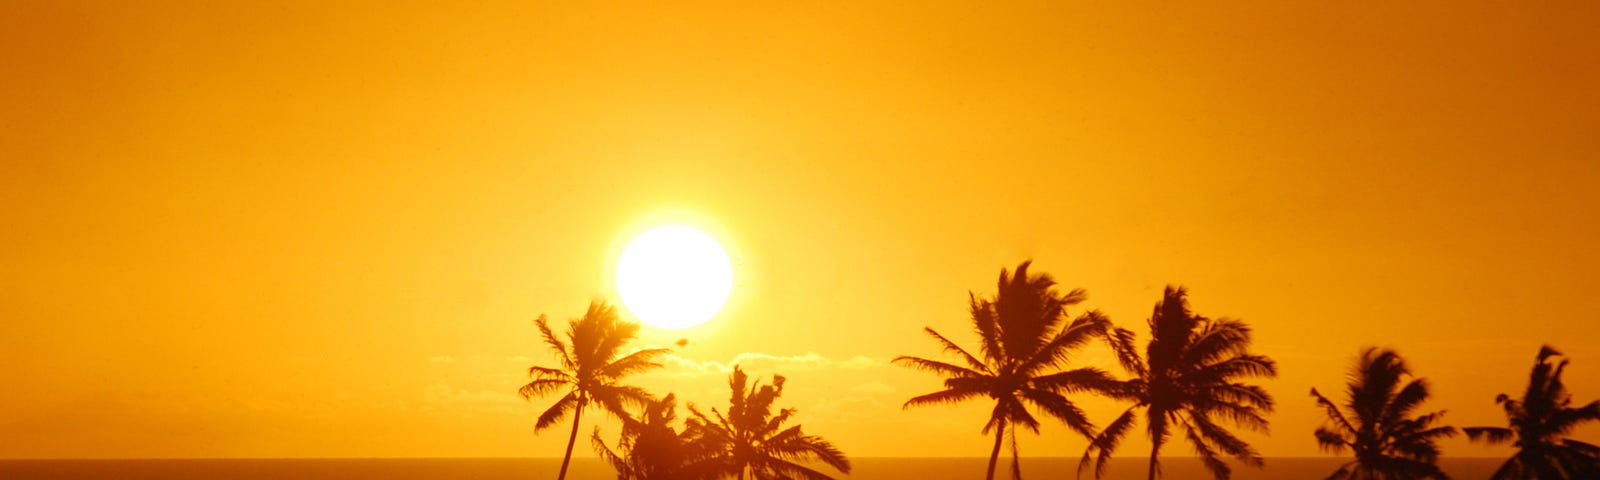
(589, 371)
(1191, 376)
(1024, 348)
(1388, 442)
(651, 448)
(751, 440)
(1539, 423)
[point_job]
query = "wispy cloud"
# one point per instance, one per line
(441, 397)
(767, 362)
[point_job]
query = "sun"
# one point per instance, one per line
(674, 277)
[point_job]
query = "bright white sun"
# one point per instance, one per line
(674, 277)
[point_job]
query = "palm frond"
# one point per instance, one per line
(1331, 441)
(1207, 454)
(943, 397)
(1027, 307)
(607, 455)
(1106, 442)
(792, 443)
(936, 367)
(541, 387)
(1406, 400)
(1244, 415)
(1563, 421)
(1253, 396)
(785, 469)
(1217, 339)
(632, 363)
(1054, 352)
(556, 412)
(951, 347)
(1333, 413)
(1018, 414)
(987, 326)
(775, 422)
(1224, 441)
(1241, 366)
(1121, 340)
(544, 372)
(563, 354)
(616, 398)
(1085, 379)
(1489, 435)
(1058, 406)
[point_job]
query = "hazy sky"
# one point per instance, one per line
(323, 228)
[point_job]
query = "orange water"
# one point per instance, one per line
(588, 468)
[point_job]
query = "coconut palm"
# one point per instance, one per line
(1191, 376)
(750, 440)
(650, 448)
(589, 370)
(1389, 443)
(1023, 347)
(1540, 421)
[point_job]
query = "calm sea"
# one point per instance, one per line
(539, 468)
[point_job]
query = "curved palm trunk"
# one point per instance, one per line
(994, 455)
(571, 439)
(1155, 451)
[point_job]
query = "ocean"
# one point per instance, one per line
(877, 468)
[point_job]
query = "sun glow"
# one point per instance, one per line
(674, 277)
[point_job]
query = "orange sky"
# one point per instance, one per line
(297, 229)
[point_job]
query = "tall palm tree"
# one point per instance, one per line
(589, 370)
(751, 439)
(1540, 421)
(650, 448)
(1190, 376)
(1023, 347)
(1389, 443)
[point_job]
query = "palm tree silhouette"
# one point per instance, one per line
(650, 448)
(751, 440)
(1023, 352)
(589, 370)
(1388, 442)
(1190, 376)
(1539, 423)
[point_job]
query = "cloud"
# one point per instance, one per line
(441, 397)
(851, 408)
(752, 361)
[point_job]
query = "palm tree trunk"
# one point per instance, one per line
(1155, 449)
(571, 439)
(994, 455)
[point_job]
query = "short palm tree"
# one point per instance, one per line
(590, 370)
(1389, 443)
(750, 440)
(1190, 376)
(1540, 421)
(1023, 347)
(650, 448)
